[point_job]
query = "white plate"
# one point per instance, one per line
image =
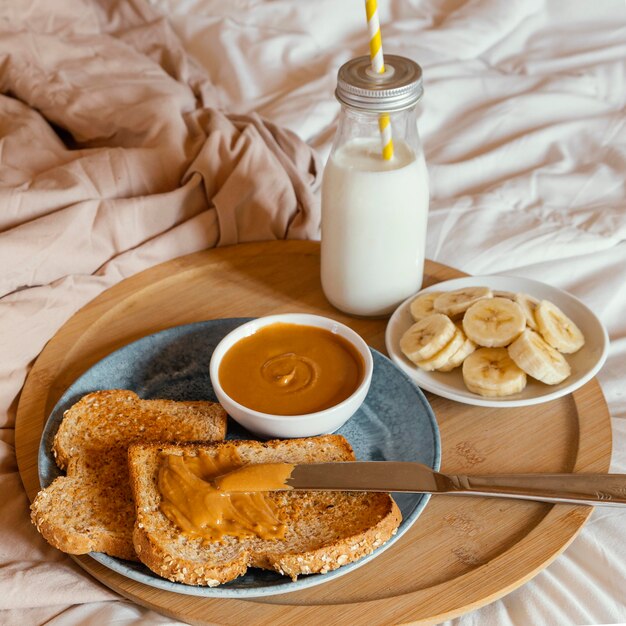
(585, 363)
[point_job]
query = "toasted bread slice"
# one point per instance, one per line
(91, 508)
(324, 530)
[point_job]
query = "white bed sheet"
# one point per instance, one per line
(523, 124)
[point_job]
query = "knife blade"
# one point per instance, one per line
(411, 477)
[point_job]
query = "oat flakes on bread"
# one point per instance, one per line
(90, 509)
(324, 530)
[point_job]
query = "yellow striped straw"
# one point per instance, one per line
(378, 66)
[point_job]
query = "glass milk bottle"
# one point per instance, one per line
(374, 210)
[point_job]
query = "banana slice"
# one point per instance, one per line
(427, 337)
(558, 329)
(509, 295)
(491, 372)
(494, 323)
(539, 360)
(467, 347)
(443, 356)
(454, 303)
(528, 304)
(422, 305)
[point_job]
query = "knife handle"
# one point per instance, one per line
(593, 489)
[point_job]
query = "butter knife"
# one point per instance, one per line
(391, 476)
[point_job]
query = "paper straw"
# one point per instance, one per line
(378, 66)
(384, 124)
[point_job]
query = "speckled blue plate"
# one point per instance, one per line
(395, 423)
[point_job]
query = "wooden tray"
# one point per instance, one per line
(461, 554)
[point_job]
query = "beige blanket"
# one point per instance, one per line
(114, 156)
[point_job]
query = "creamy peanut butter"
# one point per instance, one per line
(261, 477)
(191, 500)
(291, 369)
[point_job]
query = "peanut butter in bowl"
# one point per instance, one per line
(291, 369)
(291, 375)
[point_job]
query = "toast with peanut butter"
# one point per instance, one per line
(91, 509)
(186, 532)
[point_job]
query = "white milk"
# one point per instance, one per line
(374, 216)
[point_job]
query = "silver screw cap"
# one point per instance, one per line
(400, 87)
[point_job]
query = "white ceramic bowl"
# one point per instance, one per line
(289, 426)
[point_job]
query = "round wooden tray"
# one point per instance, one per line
(462, 553)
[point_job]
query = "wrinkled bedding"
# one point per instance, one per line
(111, 117)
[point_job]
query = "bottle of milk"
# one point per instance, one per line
(374, 210)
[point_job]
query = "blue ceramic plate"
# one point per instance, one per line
(395, 423)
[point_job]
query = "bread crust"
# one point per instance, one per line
(361, 523)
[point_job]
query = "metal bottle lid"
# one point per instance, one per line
(400, 87)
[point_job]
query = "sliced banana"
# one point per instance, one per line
(528, 304)
(509, 295)
(538, 359)
(422, 306)
(443, 356)
(454, 303)
(492, 373)
(467, 347)
(427, 337)
(494, 323)
(558, 329)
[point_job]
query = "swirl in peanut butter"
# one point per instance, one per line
(291, 369)
(290, 372)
